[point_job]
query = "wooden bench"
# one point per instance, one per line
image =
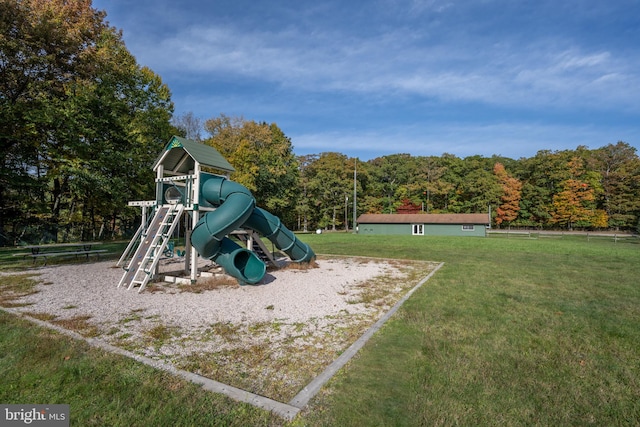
(44, 255)
(56, 250)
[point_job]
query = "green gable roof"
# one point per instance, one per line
(180, 155)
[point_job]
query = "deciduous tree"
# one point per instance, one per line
(619, 168)
(575, 204)
(263, 158)
(433, 187)
(542, 176)
(79, 119)
(330, 181)
(509, 207)
(189, 126)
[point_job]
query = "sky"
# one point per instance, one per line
(380, 77)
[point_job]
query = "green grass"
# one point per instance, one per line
(40, 366)
(16, 286)
(508, 332)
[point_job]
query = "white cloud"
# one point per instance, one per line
(570, 60)
(514, 140)
(521, 68)
(397, 63)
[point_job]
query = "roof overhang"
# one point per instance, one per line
(181, 155)
(424, 219)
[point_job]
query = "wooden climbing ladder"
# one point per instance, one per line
(153, 242)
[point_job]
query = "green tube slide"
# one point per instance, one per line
(271, 227)
(235, 208)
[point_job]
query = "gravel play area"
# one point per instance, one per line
(270, 339)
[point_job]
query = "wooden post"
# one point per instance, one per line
(195, 217)
(187, 251)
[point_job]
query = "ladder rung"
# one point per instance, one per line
(153, 240)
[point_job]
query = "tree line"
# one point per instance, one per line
(569, 189)
(81, 124)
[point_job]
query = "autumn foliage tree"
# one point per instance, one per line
(618, 166)
(509, 206)
(263, 158)
(575, 204)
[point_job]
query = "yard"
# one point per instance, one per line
(511, 331)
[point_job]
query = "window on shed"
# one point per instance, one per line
(418, 229)
(468, 227)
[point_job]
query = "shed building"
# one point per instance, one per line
(425, 224)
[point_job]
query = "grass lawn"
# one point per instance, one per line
(508, 332)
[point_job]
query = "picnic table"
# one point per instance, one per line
(61, 249)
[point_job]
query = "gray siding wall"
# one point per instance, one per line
(384, 228)
(454, 230)
(479, 230)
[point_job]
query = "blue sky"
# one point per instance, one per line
(425, 77)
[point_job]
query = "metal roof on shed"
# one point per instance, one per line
(424, 218)
(180, 155)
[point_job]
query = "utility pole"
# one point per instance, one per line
(355, 187)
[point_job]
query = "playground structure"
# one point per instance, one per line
(218, 207)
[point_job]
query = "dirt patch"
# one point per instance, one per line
(270, 339)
